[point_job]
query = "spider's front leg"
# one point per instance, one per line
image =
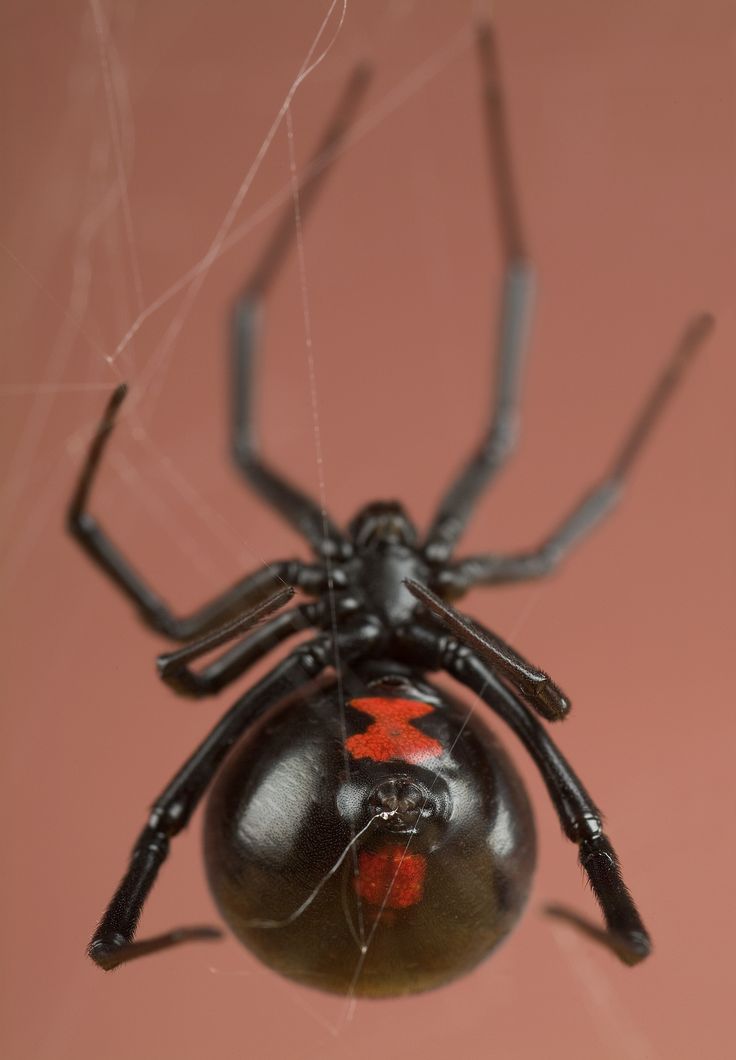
(305, 514)
(517, 297)
(244, 595)
(597, 503)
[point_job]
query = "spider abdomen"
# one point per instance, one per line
(380, 844)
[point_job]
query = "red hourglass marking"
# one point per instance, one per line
(391, 735)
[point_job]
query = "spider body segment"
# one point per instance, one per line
(368, 834)
(445, 854)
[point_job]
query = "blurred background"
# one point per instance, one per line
(145, 161)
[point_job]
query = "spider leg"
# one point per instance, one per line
(460, 499)
(174, 669)
(598, 502)
(578, 814)
(537, 687)
(301, 511)
(246, 593)
(112, 943)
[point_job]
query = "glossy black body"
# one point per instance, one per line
(283, 812)
(386, 856)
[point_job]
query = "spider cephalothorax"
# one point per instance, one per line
(380, 524)
(368, 833)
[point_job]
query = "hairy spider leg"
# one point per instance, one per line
(537, 687)
(579, 816)
(596, 503)
(112, 943)
(175, 670)
(245, 594)
(301, 511)
(456, 507)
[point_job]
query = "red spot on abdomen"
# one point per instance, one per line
(391, 878)
(391, 735)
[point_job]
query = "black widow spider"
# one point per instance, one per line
(370, 835)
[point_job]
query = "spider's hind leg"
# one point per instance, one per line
(113, 942)
(578, 815)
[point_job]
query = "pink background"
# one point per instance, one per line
(621, 116)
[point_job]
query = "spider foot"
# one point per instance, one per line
(550, 701)
(110, 951)
(631, 948)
